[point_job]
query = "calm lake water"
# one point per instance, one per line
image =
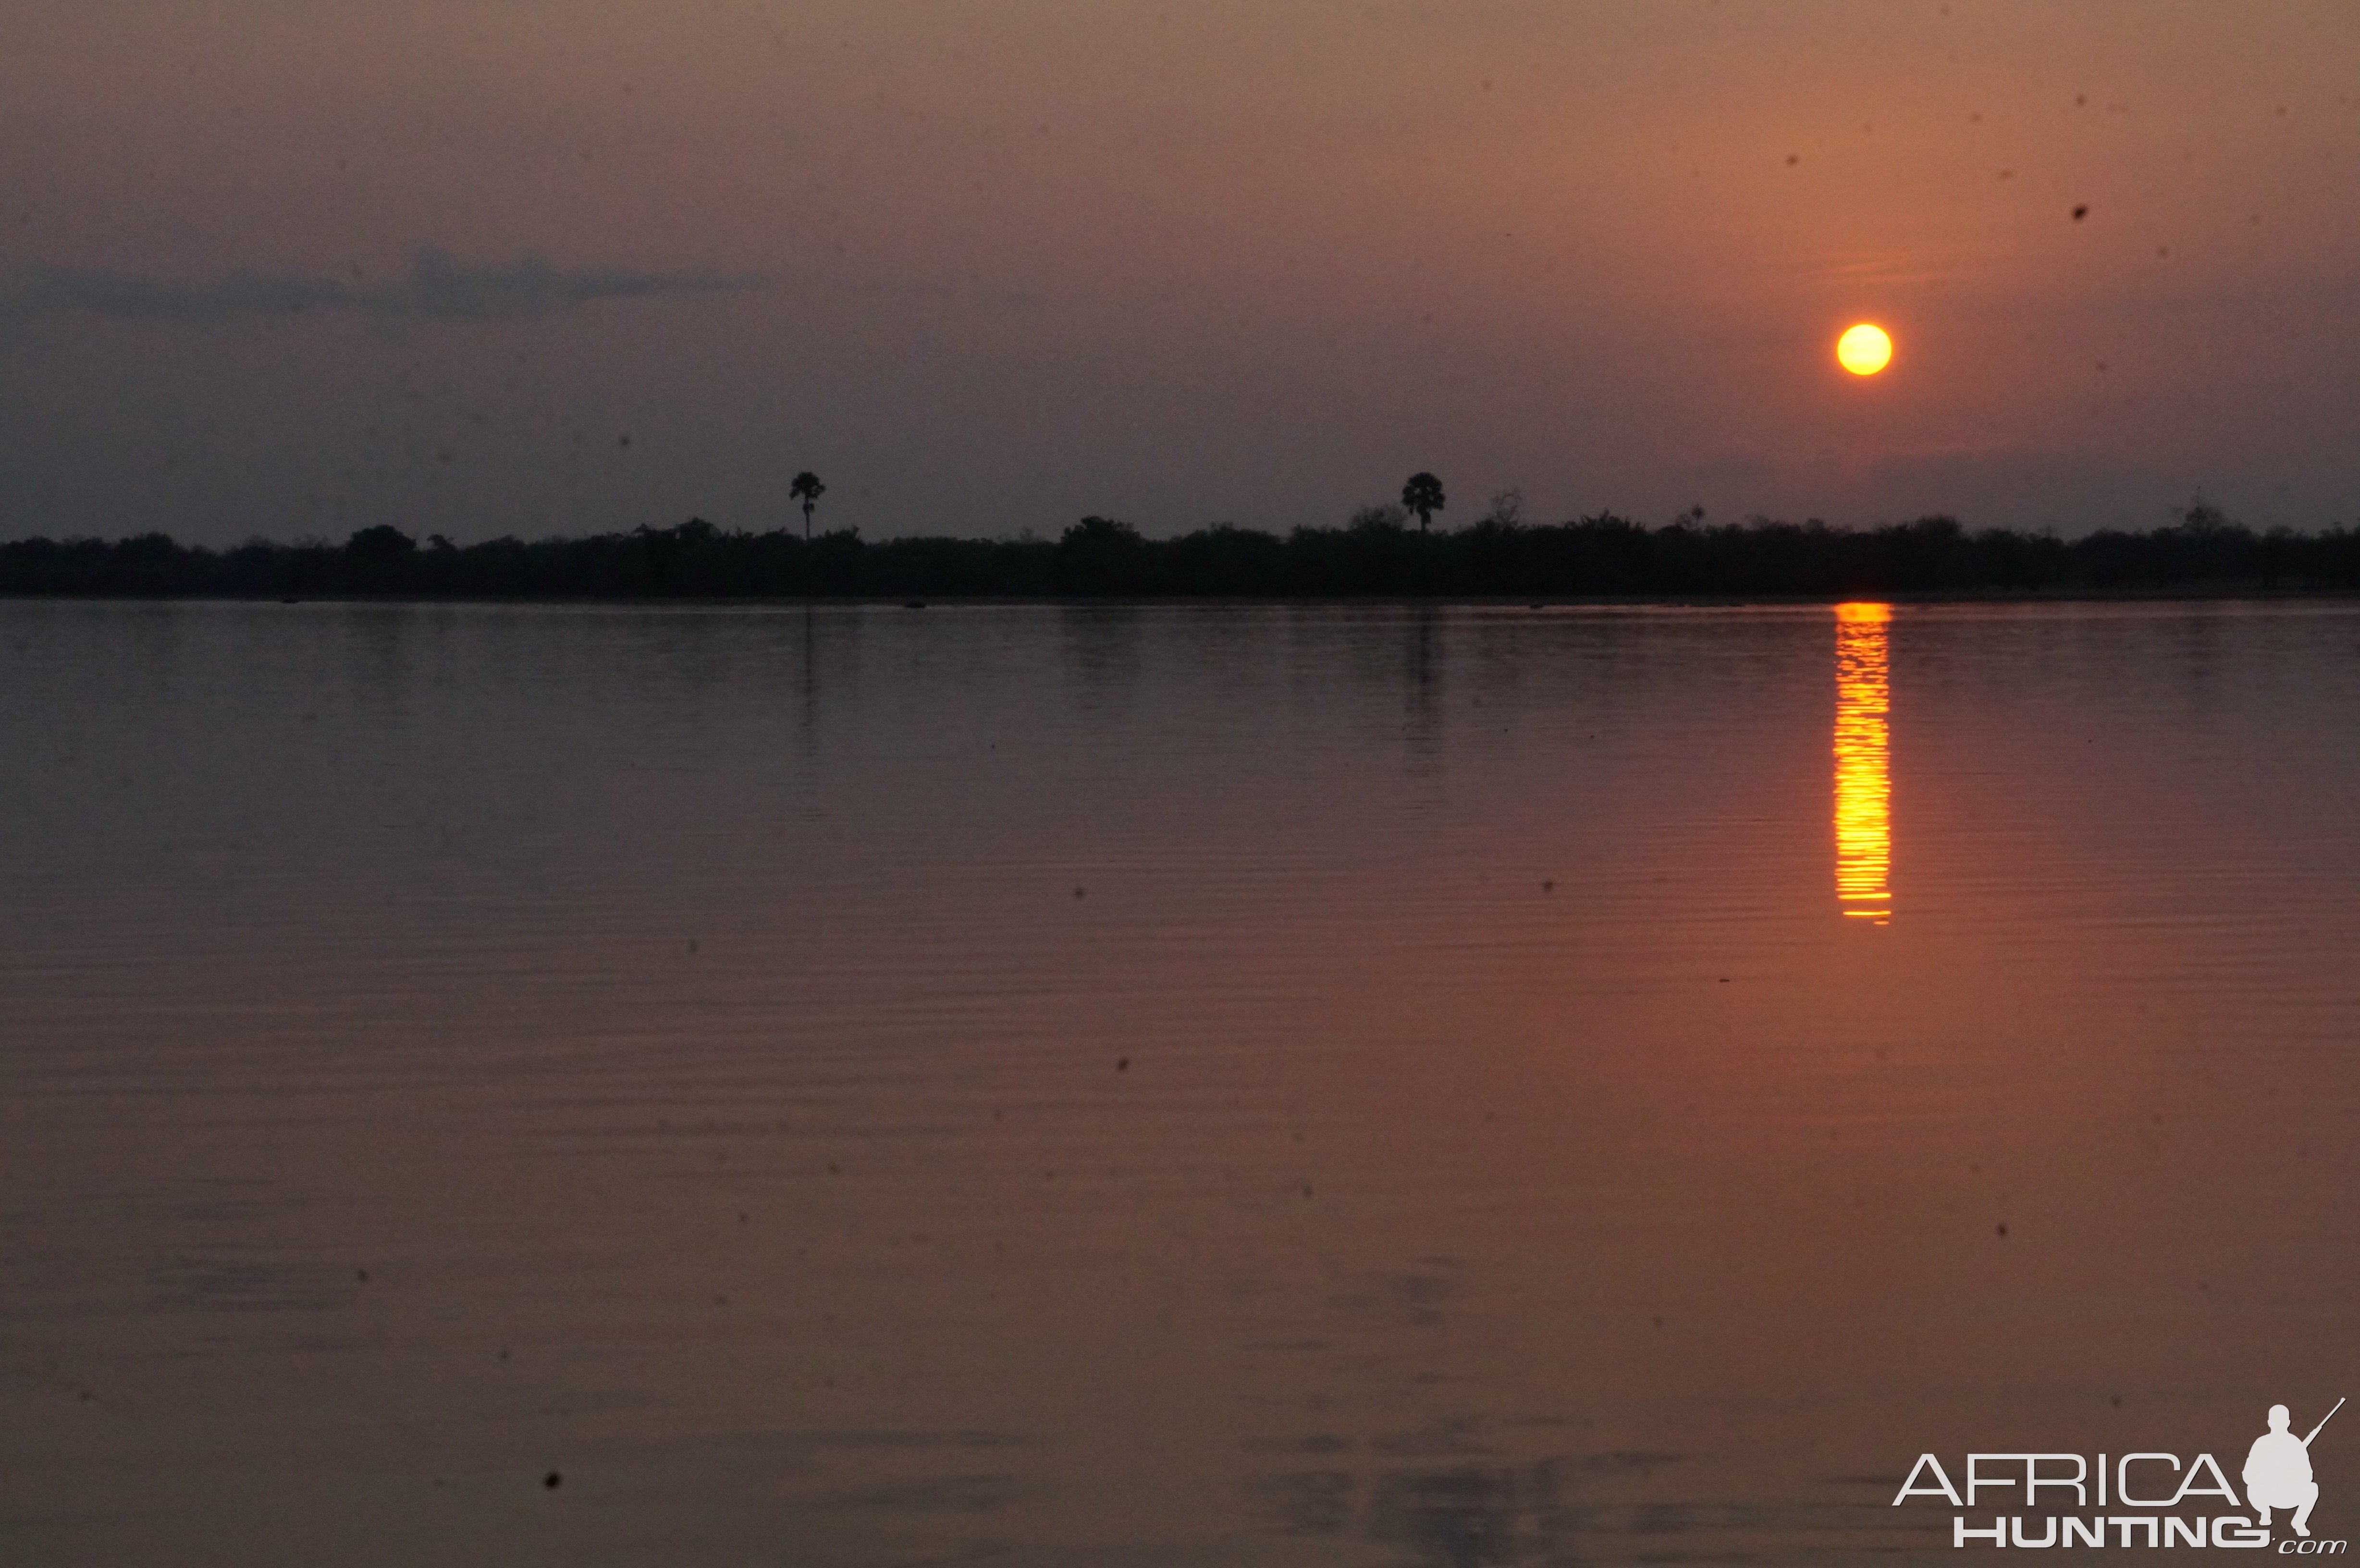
(1177, 1087)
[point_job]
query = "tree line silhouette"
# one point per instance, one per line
(1377, 554)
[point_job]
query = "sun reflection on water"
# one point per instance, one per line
(1863, 810)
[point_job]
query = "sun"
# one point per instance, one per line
(1865, 350)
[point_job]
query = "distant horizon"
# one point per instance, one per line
(1378, 554)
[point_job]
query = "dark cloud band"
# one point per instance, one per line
(439, 287)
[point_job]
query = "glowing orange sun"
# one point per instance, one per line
(1865, 350)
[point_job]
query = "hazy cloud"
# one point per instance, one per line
(439, 287)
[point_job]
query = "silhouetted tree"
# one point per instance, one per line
(379, 545)
(808, 490)
(1423, 495)
(1099, 555)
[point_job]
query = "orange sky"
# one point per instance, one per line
(992, 266)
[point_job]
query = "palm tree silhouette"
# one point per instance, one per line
(808, 490)
(1423, 495)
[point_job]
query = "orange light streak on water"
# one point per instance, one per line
(1864, 803)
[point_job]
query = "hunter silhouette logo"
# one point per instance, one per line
(2278, 1470)
(2144, 1498)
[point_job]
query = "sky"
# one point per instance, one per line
(295, 267)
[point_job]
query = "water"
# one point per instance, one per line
(1157, 1086)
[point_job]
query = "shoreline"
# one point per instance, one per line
(2226, 594)
(1603, 559)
